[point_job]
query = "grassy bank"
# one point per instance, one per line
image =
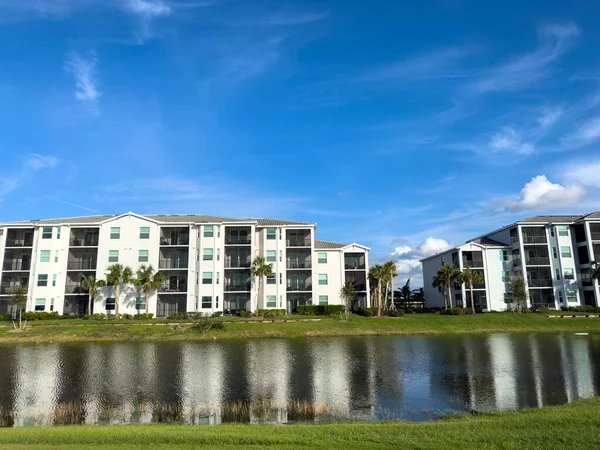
(574, 426)
(328, 326)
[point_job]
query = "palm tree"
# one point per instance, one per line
(445, 277)
(90, 284)
(377, 275)
(148, 280)
(471, 277)
(440, 283)
(390, 270)
(406, 291)
(117, 275)
(596, 272)
(260, 269)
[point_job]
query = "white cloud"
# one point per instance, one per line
(509, 140)
(408, 261)
(586, 173)
(402, 250)
(148, 8)
(31, 163)
(540, 192)
(84, 72)
(550, 116)
(431, 246)
(35, 161)
(586, 133)
(528, 69)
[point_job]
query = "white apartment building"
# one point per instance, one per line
(205, 261)
(554, 254)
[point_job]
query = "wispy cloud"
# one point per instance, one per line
(85, 208)
(35, 161)
(30, 164)
(585, 133)
(528, 69)
(84, 71)
(584, 172)
(508, 140)
(282, 19)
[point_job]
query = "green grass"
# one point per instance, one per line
(328, 326)
(573, 426)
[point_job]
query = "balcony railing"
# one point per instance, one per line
(299, 287)
(354, 266)
(16, 265)
(537, 261)
(180, 241)
(297, 243)
(90, 242)
(237, 287)
(236, 264)
(595, 236)
(516, 262)
(172, 264)
(539, 282)
(587, 282)
(472, 263)
(174, 287)
(19, 242)
(74, 289)
(361, 287)
(232, 240)
(6, 289)
(81, 265)
(298, 264)
(529, 239)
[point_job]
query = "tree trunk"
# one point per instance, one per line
(90, 303)
(147, 295)
(117, 292)
(258, 294)
(392, 303)
(387, 288)
(379, 298)
(472, 299)
(450, 295)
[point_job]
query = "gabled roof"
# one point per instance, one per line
(594, 215)
(486, 242)
(328, 245)
(551, 219)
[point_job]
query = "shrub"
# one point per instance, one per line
(320, 310)
(456, 312)
(68, 317)
(217, 313)
(126, 316)
(143, 316)
(5, 317)
(396, 313)
(268, 313)
(368, 312)
(544, 310)
(40, 315)
(206, 324)
(583, 309)
(245, 313)
(177, 316)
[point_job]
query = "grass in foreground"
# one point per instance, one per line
(574, 426)
(432, 324)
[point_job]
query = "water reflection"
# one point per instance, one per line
(367, 378)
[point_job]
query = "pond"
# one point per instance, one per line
(286, 380)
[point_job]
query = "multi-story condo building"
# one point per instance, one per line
(554, 254)
(205, 261)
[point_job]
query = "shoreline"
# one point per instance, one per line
(414, 324)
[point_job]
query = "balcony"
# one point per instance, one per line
(238, 235)
(172, 264)
(297, 238)
(537, 261)
(361, 287)
(174, 237)
(298, 264)
(516, 262)
(173, 287)
(540, 282)
(472, 263)
(236, 264)
(354, 266)
(238, 240)
(75, 289)
(84, 237)
(16, 265)
(299, 287)
(6, 289)
(237, 287)
(81, 264)
(534, 239)
(20, 242)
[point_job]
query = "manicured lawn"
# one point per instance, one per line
(574, 426)
(327, 326)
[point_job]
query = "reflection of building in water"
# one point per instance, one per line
(504, 371)
(36, 384)
(577, 367)
(363, 377)
(331, 374)
(268, 375)
(203, 371)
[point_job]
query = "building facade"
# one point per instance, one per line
(554, 255)
(205, 261)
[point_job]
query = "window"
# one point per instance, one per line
(144, 232)
(217, 301)
(58, 233)
(56, 256)
(40, 304)
(271, 233)
(271, 279)
(140, 304)
(113, 256)
(44, 255)
(143, 256)
(280, 278)
(552, 231)
(558, 274)
(52, 304)
(569, 274)
(207, 302)
(554, 252)
(110, 304)
(560, 296)
(207, 254)
(271, 255)
(563, 230)
(206, 278)
(280, 255)
(54, 280)
(322, 279)
(197, 296)
(115, 233)
(47, 233)
(322, 258)
(281, 301)
(505, 277)
(271, 301)
(218, 280)
(571, 296)
(218, 254)
(218, 230)
(565, 252)
(504, 255)
(42, 280)
(209, 231)
(323, 300)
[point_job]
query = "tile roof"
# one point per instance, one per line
(328, 245)
(551, 219)
(487, 242)
(594, 215)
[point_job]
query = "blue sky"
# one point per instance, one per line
(405, 126)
